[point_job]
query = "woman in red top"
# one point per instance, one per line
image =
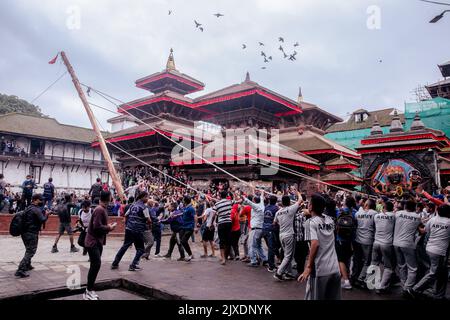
(235, 230)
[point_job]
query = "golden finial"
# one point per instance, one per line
(171, 62)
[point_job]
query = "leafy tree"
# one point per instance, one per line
(9, 104)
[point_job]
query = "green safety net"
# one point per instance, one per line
(435, 114)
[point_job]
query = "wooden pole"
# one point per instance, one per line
(112, 170)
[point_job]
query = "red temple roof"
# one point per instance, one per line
(342, 178)
(277, 154)
(209, 104)
(170, 79)
(248, 88)
(340, 164)
(174, 129)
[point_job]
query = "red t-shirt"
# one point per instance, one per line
(246, 211)
(235, 225)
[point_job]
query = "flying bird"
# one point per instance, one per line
(380, 61)
(170, 12)
(265, 60)
(295, 53)
(292, 57)
(218, 15)
(281, 39)
(436, 2)
(261, 44)
(263, 68)
(244, 46)
(270, 58)
(285, 55)
(281, 49)
(263, 54)
(197, 25)
(296, 44)
(201, 29)
(88, 91)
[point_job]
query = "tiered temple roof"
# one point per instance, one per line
(342, 179)
(417, 138)
(245, 152)
(247, 105)
(341, 163)
(311, 141)
(170, 79)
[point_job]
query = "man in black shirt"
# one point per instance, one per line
(65, 221)
(96, 190)
(32, 221)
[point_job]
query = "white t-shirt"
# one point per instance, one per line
(406, 224)
(209, 216)
(322, 229)
(384, 228)
(439, 230)
(365, 231)
(85, 217)
(285, 219)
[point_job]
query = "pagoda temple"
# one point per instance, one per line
(242, 109)
(167, 113)
(397, 162)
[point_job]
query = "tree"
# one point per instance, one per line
(9, 104)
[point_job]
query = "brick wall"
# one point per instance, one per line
(52, 224)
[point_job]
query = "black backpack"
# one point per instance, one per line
(97, 190)
(345, 225)
(17, 226)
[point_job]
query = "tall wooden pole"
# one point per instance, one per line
(112, 170)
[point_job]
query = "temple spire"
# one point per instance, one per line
(376, 128)
(170, 62)
(300, 95)
(417, 123)
(247, 77)
(396, 124)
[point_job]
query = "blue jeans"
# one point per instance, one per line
(49, 203)
(257, 249)
(268, 238)
(2, 202)
(157, 237)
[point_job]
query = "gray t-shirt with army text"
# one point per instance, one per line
(384, 228)
(321, 228)
(406, 224)
(285, 219)
(439, 230)
(365, 230)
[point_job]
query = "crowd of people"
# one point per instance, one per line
(333, 241)
(11, 147)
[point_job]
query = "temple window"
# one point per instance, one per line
(361, 116)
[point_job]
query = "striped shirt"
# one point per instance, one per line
(299, 223)
(223, 210)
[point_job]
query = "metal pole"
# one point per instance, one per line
(112, 170)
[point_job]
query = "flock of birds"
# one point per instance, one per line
(266, 57)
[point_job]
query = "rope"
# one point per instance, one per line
(146, 163)
(49, 87)
(279, 166)
(169, 138)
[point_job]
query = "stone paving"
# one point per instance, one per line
(198, 279)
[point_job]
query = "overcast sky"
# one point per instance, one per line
(118, 42)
